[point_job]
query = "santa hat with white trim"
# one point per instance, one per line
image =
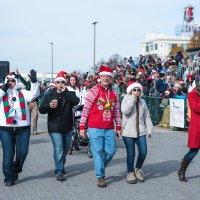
(105, 70)
(61, 76)
(132, 85)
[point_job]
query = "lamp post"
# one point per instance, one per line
(94, 62)
(51, 61)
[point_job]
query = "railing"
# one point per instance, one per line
(157, 105)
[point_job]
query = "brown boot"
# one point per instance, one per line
(101, 182)
(181, 171)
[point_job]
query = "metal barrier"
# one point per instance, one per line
(153, 104)
(156, 109)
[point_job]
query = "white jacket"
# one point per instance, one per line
(79, 93)
(128, 108)
(28, 96)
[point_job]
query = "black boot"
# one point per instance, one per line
(181, 171)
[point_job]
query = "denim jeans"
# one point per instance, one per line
(61, 145)
(14, 145)
(191, 154)
(102, 143)
(130, 149)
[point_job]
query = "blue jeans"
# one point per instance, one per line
(61, 145)
(191, 154)
(14, 145)
(130, 149)
(102, 143)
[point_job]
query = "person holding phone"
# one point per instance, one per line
(15, 124)
(58, 104)
(136, 124)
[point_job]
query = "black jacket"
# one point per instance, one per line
(60, 119)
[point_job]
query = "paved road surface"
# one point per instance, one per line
(165, 150)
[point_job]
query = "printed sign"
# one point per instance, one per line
(177, 113)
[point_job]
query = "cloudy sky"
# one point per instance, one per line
(27, 28)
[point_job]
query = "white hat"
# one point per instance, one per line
(133, 85)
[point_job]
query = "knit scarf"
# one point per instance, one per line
(10, 120)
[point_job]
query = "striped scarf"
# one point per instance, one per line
(10, 120)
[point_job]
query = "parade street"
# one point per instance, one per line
(165, 149)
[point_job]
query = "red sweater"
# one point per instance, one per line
(101, 109)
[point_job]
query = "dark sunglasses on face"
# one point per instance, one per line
(136, 90)
(63, 82)
(11, 80)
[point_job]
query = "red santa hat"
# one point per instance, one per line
(61, 76)
(132, 85)
(105, 70)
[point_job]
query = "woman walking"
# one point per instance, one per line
(136, 124)
(193, 131)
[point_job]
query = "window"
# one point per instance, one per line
(156, 46)
(174, 46)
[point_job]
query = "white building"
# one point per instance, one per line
(160, 44)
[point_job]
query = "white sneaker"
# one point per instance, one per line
(139, 175)
(131, 178)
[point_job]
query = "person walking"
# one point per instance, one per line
(33, 105)
(100, 112)
(58, 104)
(193, 130)
(136, 123)
(15, 124)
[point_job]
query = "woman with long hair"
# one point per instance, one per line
(136, 125)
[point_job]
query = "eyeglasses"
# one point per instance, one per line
(63, 82)
(11, 80)
(136, 90)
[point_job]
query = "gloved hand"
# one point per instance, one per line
(32, 76)
(5, 87)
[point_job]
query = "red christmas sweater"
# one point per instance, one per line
(101, 109)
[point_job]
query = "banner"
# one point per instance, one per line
(177, 113)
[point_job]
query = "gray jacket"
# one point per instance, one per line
(128, 108)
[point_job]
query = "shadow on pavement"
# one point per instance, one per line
(71, 170)
(153, 170)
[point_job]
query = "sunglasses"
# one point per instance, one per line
(136, 90)
(63, 82)
(11, 80)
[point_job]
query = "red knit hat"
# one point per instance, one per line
(61, 76)
(105, 70)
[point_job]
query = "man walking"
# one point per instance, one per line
(101, 110)
(58, 104)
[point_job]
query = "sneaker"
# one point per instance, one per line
(35, 132)
(90, 154)
(101, 182)
(9, 183)
(139, 175)
(131, 178)
(60, 178)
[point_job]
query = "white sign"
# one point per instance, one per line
(177, 113)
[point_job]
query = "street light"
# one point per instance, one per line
(94, 62)
(51, 61)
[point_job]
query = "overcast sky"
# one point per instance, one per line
(28, 26)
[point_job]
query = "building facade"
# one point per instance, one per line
(160, 44)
